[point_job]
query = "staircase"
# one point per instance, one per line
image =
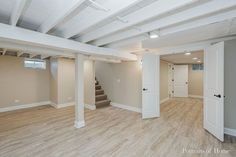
(100, 98)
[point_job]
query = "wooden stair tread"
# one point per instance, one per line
(102, 103)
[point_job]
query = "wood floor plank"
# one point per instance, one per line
(46, 131)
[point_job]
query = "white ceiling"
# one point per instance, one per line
(181, 58)
(124, 24)
(202, 33)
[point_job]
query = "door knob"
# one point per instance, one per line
(218, 96)
(144, 89)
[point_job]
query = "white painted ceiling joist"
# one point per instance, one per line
(29, 48)
(27, 37)
(71, 31)
(190, 47)
(156, 9)
(213, 11)
(64, 16)
(135, 39)
(18, 9)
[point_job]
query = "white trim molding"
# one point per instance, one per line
(196, 96)
(57, 106)
(24, 106)
(88, 106)
(164, 100)
(126, 107)
(231, 132)
(79, 124)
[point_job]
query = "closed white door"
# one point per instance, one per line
(180, 80)
(150, 86)
(214, 90)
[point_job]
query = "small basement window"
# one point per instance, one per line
(35, 63)
(197, 67)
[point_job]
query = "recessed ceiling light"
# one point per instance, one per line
(199, 61)
(195, 58)
(153, 35)
(187, 53)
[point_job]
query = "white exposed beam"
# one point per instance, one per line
(128, 41)
(28, 37)
(19, 53)
(200, 22)
(216, 11)
(39, 50)
(62, 16)
(99, 6)
(18, 9)
(101, 18)
(158, 8)
(105, 59)
(4, 51)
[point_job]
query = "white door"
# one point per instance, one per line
(180, 80)
(214, 90)
(150, 86)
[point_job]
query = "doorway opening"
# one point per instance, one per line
(182, 75)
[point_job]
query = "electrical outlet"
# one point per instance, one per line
(16, 101)
(118, 80)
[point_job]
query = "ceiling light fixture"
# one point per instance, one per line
(153, 35)
(187, 53)
(199, 61)
(195, 58)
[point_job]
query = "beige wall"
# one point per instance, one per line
(54, 80)
(230, 85)
(63, 81)
(19, 85)
(122, 82)
(195, 82)
(127, 84)
(66, 80)
(163, 80)
(89, 82)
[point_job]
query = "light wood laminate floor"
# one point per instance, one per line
(48, 132)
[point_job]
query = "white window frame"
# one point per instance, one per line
(34, 64)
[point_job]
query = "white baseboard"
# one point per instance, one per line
(195, 96)
(130, 108)
(231, 132)
(79, 124)
(88, 106)
(12, 108)
(164, 100)
(62, 105)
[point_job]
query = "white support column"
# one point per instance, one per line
(79, 91)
